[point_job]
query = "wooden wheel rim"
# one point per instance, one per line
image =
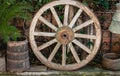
(64, 66)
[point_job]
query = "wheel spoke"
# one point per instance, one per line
(85, 24)
(56, 16)
(47, 44)
(75, 18)
(63, 36)
(74, 53)
(63, 55)
(66, 13)
(82, 46)
(85, 36)
(48, 23)
(54, 52)
(44, 34)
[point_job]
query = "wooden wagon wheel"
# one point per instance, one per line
(65, 36)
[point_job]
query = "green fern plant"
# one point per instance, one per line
(10, 9)
(36, 4)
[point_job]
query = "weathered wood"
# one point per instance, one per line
(47, 44)
(47, 23)
(66, 14)
(71, 13)
(63, 55)
(85, 36)
(75, 18)
(17, 56)
(56, 16)
(18, 65)
(85, 24)
(82, 46)
(74, 53)
(64, 35)
(15, 47)
(54, 51)
(44, 34)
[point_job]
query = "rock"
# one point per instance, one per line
(2, 64)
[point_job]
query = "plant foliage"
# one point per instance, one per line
(97, 4)
(10, 9)
(36, 4)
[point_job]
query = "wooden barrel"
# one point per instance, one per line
(17, 56)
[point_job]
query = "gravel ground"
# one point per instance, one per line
(44, 71)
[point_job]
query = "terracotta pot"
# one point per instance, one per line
(111, 61)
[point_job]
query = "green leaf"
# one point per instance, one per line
(90, 43)
(61, 17)
(105, 4)
(10, 9)
(85, 3)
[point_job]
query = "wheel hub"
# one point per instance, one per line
(64, 35)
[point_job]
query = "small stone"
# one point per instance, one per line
(38, 69)
(2, 64)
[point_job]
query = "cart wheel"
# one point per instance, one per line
(67, 39)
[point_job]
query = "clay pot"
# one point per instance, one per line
(111, 61)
